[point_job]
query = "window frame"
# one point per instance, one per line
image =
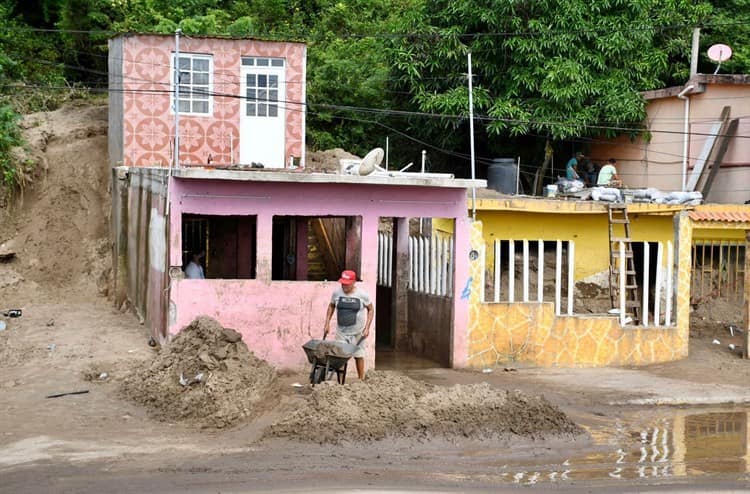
(190, 88)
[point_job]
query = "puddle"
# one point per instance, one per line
(659, 444)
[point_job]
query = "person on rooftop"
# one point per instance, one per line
(571, 168)
(608, 176)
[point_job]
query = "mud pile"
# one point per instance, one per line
(713, 316)
(326, 161)
(205, 376)
(57, 226)
(391, 405)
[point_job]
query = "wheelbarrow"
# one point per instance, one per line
(329, 358)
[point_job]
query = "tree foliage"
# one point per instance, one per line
(559, 69)
(562, 68)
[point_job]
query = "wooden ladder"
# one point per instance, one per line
(618, 215)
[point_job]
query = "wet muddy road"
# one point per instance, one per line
(656, 449)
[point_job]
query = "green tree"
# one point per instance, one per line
(557, 68)
(730, 25)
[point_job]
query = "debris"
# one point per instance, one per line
(7, 256)
(51, 346)
(12, 313)
(151, 342)
(392, 405)
(510, 369)
(50, 323)
(731, 346)
(298, 385)
(58, 395)
(103, 376)
(235, 384)
(716, 342)
(3, 326)
(487, 371)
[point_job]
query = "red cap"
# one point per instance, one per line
(348, 277)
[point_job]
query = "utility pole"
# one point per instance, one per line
(177, 34)
(471, 139)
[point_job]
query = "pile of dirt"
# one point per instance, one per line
(391, 405)
(326, 161)
(206, 376)
(713, 316)
(58, 225)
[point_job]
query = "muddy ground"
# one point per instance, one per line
(100, 439)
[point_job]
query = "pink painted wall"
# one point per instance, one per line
(658, 162)
(148, 127)
(276, 317)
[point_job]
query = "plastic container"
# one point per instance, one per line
(502, 175)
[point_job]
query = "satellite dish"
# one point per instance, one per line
(719, 53)
(371, 161)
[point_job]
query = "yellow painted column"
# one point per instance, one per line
(747, 293)
(684, 228)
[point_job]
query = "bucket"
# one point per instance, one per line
(550, 190)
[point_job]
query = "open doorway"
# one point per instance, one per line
(414, 313)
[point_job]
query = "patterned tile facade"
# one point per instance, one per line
(149, 122)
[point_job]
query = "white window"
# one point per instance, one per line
(195, 84)
(262, 86)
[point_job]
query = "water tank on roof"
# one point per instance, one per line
(501, 175)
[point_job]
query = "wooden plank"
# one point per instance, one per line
(708, 146)
(724, 140)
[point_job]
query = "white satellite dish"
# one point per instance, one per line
(719, 53)
(371, 161)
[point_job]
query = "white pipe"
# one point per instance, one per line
(483, 256)
(668, 291)
(657, 295)
(412, 264)
(386, 153)
(511, 271)
(540, 271)
(498, 268)
(558, 276)
(646, 260)
(389, 258)
(571, 273)
(176, 99)
(685, 135)
(471, 141)
(525, 270)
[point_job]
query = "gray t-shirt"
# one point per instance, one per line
(350, 310)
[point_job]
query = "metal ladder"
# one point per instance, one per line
(618, 215)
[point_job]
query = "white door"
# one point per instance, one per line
(263, 114)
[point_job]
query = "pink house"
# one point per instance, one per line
(241, 101)
(275, 238)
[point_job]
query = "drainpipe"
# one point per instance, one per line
(685, 136)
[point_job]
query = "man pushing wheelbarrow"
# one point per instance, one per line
(352, 326)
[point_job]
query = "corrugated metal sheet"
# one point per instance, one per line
(726, 216)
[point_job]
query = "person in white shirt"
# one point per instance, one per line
(608, 174)
(194, 269)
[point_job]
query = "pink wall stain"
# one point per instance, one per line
(149, 121)
(276, 318)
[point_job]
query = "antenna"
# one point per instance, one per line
(371, 161)
(719, 53)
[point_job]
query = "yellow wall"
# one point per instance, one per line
(500, 333)
(590, 232)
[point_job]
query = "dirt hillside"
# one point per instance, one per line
(58, 225)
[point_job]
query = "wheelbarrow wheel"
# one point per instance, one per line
(318, 374)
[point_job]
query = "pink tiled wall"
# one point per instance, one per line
(148, 126)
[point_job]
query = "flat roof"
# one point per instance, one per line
(286, 176)
(536, 204)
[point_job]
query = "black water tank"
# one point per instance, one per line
(501, 175)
